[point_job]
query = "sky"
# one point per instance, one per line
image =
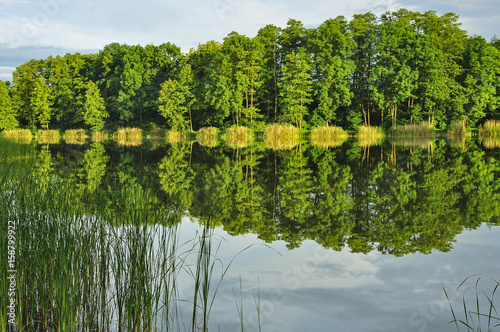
(35, 29)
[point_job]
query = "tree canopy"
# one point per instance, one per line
(399, 68)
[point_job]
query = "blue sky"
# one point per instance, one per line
(39, 28)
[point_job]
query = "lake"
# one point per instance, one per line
(355, 236)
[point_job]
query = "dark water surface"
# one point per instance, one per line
(347, 238)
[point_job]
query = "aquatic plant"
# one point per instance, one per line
(490, 128)
(328, 136)
(75, 136)
(207, 136)
(281, 137)
(238, 137)
(22, 135)
(479, 305)
(412, 130)
(49, 136)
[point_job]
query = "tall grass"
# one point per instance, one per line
(75, 136)
(173, 136)
(490, 128)
(128, 136)
(99, 136)
(281, 137)
(490, 142)
(457, 129)
(412, 130)
(370, 131)
(328, 136)
(478, 304)
(82, 269)
(49, 136)
(207, 136)
(238, 137)
(21, 135)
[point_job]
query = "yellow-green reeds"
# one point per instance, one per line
(49, 136)
(368, 136)
(207, 136)
(99, 136)
(128, 136)
(281, 137)
(238, 137)
(490, 128)
(328, 136)
(370, 131)
(491, 142)
(173, 136)
(412, 130)
(457, 129)
(21, 135)
(75, 136)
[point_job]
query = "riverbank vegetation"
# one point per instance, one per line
(401, 68)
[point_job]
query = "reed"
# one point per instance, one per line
(457, 129)
(412, 130)
(328, 136)
(128, 136)
(281, 137)
(50, 136)
(490, 142)
(479, 305)
(99, 136)
(173, 136)
(21, 135)
(370, 131)
(238, 137)
(75, 136)
(490, 128)
(207, 136)
(84, 268)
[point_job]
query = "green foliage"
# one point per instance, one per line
(399, 68)
(296, 88)
(40, 103)
(94, 111)
(8, 119)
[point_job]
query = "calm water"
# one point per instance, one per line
(346, 238)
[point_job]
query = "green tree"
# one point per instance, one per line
(363, 30)
(41, 103)
(170, 106)
(94, 110)
(481, 69)
(24, 78)
(66, 78)
(7, 113)
(296, 89)
(271, 68)
(331, 48)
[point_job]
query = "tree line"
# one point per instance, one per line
(402, 67)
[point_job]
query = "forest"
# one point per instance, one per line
(399, 68)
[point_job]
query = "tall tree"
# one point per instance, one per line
(41, 102)
(7, 114)
(479, 79)
(331, 47)
(176, 99)
(271, 69)
(363, 29)
(94, 110)
(296, 89)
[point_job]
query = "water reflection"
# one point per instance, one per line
(349, 213)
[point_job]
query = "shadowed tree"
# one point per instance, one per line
(7, 113)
